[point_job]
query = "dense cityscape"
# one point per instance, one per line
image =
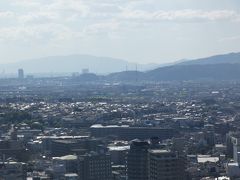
(119, 90)
(66, 128)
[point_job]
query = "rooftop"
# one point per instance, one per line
(66, 158)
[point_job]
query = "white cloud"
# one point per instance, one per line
(103, 27)
(181, 15)
(6, 14)
(67, 6)
(117, 9)
(26, 3)
(59, 20)
(230, 38)
(42, 32)
(38, 17)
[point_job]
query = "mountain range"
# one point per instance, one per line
(75, 63)
(231, 58)
(219, 67)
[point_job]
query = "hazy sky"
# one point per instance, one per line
(137, 30)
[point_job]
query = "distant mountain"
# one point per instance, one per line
(126, 76)
(195, 72)
(231, 58)
(181, 73)
(221, 67)
(75, 63)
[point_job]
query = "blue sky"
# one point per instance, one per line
(143, 31)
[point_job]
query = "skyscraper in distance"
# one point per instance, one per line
(20, 74)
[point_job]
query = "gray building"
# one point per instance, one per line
(20, 74)
(129, 133)
(73, 146)
(95, 166)
(166, 165)
(137, 160)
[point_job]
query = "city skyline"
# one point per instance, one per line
(120, 89)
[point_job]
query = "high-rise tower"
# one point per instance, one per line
(20, 74)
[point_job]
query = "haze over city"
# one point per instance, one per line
(119, 89)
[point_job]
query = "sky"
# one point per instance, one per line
(143, 31)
